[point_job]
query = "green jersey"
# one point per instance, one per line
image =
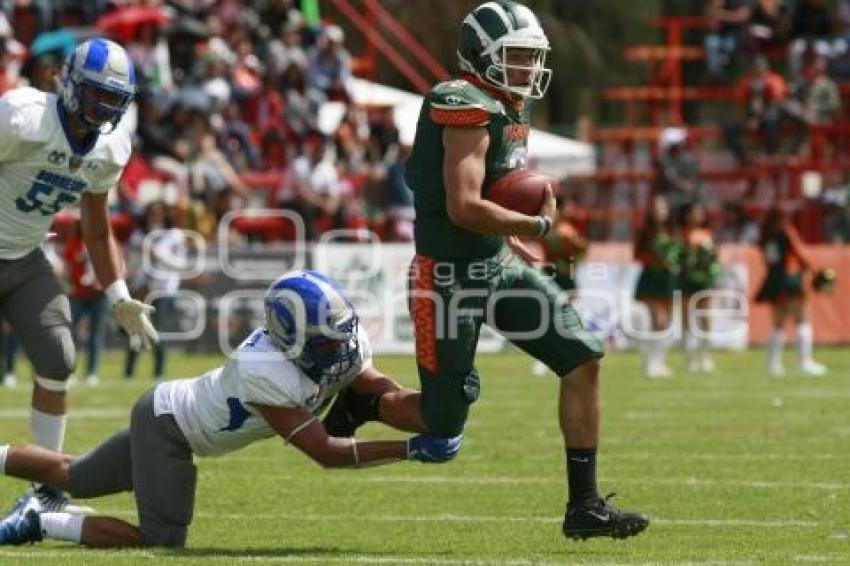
(460, 103)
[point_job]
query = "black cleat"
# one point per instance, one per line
(349, 411)
(599, 519)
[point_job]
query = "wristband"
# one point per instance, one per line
(117, 292)
(544, 225)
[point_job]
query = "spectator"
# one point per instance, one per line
(678, 172)
(761, 94)
(213, 178)
(287, 47)
(811, 32)
(168, 255)
(815, 101)
(150, 54)
(11, 55)
(728, 18)
(42, 71)
(768, 25)
(318, 187)
(836, 211)
(399, 205)
(87, 301)
(301, 101)
(330, 64)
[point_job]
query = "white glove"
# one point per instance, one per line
(132, 315)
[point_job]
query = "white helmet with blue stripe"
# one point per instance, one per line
(98, 82)
(311, 320)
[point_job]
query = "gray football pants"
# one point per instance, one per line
(32, 302)
(153, 460)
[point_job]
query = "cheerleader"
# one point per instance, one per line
(657, 249)
(783, 289)
(699, 270)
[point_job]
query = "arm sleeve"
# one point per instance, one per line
(458, 105)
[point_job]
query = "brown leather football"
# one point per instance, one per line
(521, 190)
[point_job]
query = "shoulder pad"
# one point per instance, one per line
(460, 103)
(22, 111)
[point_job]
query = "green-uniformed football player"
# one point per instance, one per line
(471, 131)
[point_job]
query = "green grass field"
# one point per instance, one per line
(736, 468)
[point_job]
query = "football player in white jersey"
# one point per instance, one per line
(276, 382)
(56, 151)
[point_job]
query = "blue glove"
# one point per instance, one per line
(433, 450)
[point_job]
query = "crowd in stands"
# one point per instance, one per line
(227, 115)
(785, 61)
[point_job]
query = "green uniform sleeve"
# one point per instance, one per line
(460, 104)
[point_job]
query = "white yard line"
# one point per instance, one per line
(341, 559)
(453, 518)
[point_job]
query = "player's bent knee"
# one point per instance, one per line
(56, 358)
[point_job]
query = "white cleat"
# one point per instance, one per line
(659, 371)
(813, 368)
(92, 380)
(10, 381)
(706, 364)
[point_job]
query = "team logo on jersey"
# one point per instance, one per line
(516, 132)
(56, 158)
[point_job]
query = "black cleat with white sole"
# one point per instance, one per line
(600, 519)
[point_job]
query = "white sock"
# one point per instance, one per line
(805, 339)
(62, 526)
(691, 345)
(661, 346)
(4, 451)
(774, 348)
(48, 431)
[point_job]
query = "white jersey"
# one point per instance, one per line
(43, 171)
(215, 411)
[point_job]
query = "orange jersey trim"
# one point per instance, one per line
(467, 117)
(422, 311)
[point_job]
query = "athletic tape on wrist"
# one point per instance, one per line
(117, 291)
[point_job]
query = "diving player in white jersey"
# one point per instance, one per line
(276, 382)
(57, 151)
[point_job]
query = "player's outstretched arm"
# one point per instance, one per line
(381, 398)
(303, 430)
(131, 314)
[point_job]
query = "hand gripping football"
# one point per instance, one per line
(521, 190)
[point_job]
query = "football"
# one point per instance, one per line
(521, 190)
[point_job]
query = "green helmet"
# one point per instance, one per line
(486, 35)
